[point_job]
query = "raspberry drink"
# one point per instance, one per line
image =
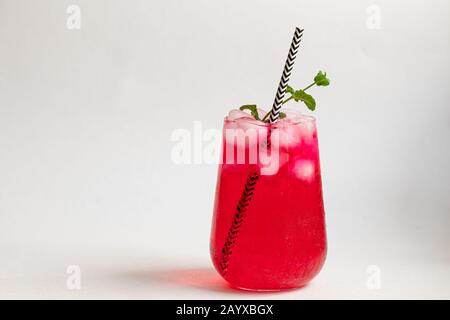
(270, 236)
(268, 230)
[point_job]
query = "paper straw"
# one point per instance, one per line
(277, 103)
(241, 209)
(253, 177)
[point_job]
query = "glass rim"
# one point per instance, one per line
(257, 123)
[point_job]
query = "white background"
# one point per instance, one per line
(86, 117)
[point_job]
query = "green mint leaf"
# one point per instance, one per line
(252, 108)
(289, 90)
(301, 95)
(321, 79)
(282, 115)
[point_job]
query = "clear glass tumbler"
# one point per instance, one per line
(268, 229)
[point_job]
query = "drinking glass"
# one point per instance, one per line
(268, 228)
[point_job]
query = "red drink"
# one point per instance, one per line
(276, 239)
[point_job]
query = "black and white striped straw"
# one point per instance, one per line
(253, 177)
(275, 112)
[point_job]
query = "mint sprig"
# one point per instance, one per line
(320, 80)
(252, 108)
(301, 95)
(254, 111)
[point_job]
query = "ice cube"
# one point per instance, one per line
(270, 163)
(308, 128)
(295, 128)
(293, 115)
(247, 134)
(251, 123)
(238, 114)
(289, 134)
(304, 170)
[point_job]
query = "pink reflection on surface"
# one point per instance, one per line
(203, 278)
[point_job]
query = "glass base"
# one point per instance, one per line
(269, 290)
